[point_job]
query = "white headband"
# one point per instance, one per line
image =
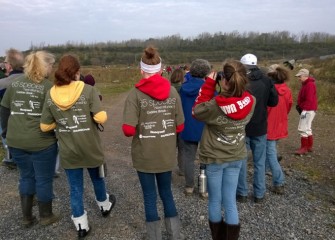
(151, 68)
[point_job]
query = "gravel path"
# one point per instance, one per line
(302, 213)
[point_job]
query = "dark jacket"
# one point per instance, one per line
(188, 93)
(262, 88)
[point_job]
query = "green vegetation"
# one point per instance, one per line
(213, 47)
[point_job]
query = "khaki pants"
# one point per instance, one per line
(305, 123)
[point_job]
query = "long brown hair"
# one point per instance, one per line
(236, 76)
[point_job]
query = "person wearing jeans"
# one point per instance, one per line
(74, 109)
(222, 182)
(36, 169)
(257, 145)
(76, 181)
(153, 117)
(278, 177)
(222, 146)
(148, 185)
(32, 150)
(262, 88)
(278, 125)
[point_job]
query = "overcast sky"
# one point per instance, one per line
(27, 22)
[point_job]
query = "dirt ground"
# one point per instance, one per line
(127, 219)
(318, 166)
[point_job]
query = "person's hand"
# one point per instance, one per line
(299, 110)
(212, 75)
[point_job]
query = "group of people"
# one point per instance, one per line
(217, 115)
(40, 120)
(248, 112)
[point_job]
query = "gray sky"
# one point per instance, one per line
(27, 22)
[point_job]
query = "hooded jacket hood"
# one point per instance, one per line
(191, 86)
(67, 95)
(236, 108)
(155, 86)
(282, 89)
(254, 73)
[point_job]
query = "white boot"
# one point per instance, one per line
(107, 205)
(81, 224)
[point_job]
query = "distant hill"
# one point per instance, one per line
(213, 47)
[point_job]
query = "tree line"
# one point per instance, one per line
(214, 47)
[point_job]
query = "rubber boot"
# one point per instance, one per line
(107, 205)
(216, 230)
(310, 143)
(304, 144)
(231, 231)
(154, 230)
(47, 217)
(81, 224)
(27, 207)
(172, 226)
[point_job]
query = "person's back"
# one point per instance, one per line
(222, 146)
(33, 151)
(262, 88)
(278, 125)
(191, 134)
(153, 117)
(73, 109)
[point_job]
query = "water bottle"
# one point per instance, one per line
(102, 170)
(202, 180)
(7, 153)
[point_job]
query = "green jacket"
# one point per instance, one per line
(25, 100)
(74, 110)
(154, 109)
(223, 137)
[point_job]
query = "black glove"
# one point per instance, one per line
(298, 109)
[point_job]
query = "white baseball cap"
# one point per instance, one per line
(249, 59)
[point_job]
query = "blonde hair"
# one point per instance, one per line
(36, 66)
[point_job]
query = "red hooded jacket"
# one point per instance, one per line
(278, 115)
(307, 99)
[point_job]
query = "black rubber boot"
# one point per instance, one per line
(216, 230)
(47, 217)
(27, 207)
(231, 231)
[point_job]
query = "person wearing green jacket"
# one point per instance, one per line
(153, 116)
(33, 151)
(74, 109)
(222, 145)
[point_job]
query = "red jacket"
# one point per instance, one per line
(277, 116)
(307, 99)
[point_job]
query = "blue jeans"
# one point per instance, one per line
(222, 182)
(148, 185)
(278, 177)
(257, 145)
(36, 171)
(76, 181)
